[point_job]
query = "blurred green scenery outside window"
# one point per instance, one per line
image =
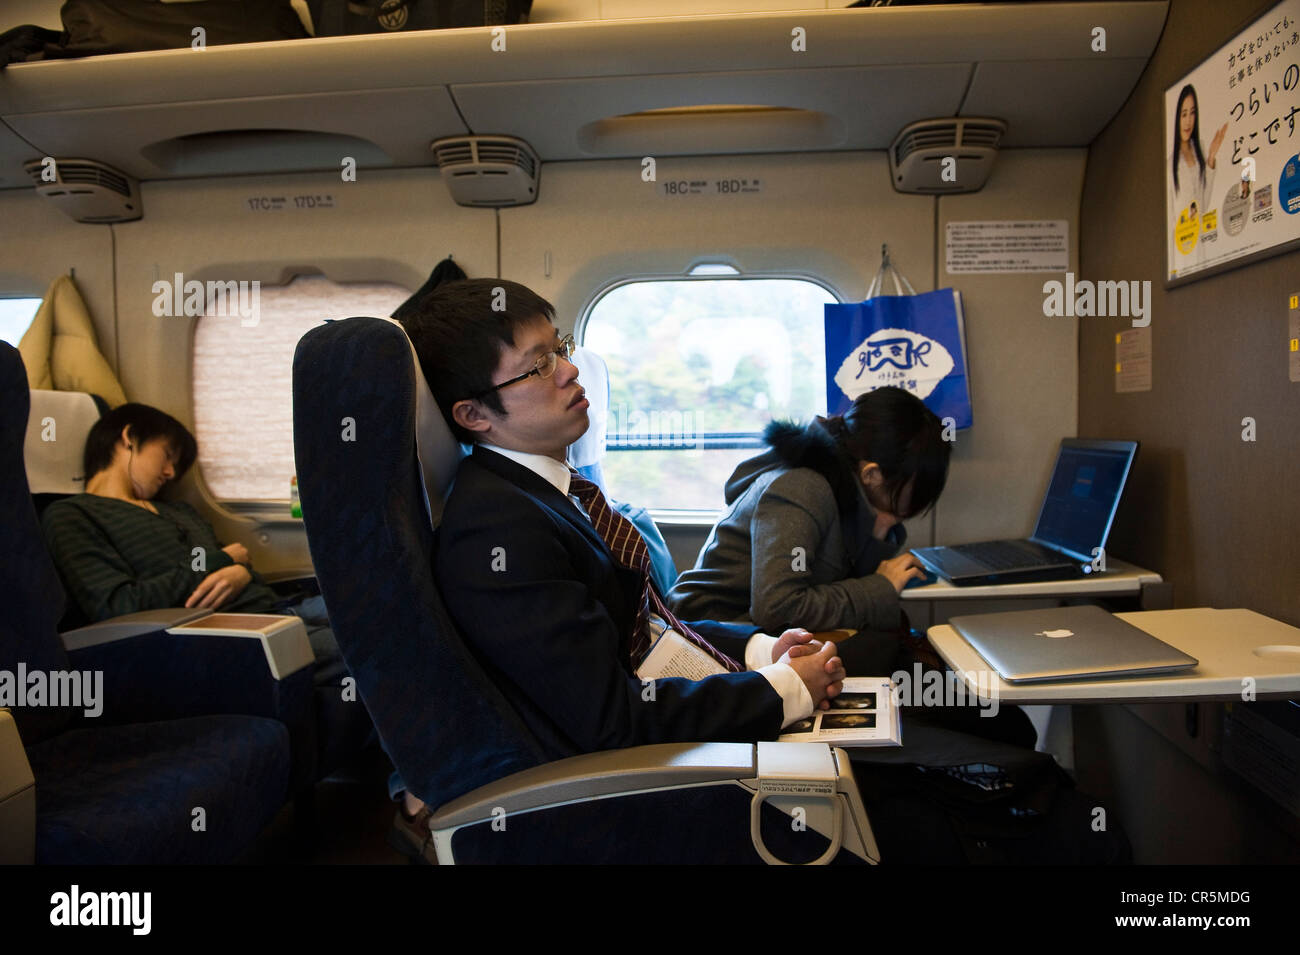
(697, 368)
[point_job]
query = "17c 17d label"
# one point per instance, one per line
(280, 203)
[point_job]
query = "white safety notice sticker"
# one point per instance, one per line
(1293, 336)
(1040, 245)
(1133, 360)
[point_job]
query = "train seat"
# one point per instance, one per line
(458, 745)
(114, 771)
(58, 425)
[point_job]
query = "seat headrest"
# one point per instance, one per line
(436, 447)
(593, 375)
(54, 449)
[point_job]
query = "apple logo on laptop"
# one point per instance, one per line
(1055, 634)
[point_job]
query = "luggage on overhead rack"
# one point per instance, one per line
(342, 17)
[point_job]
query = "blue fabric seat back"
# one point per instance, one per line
(444, 724)
(34, 597)
(585, 457)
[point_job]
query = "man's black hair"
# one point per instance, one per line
(146, 423)
(459, 330)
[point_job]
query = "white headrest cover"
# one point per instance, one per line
(438, 450)
(593, 375)
(55, 445)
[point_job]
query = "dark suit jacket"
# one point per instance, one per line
(544, 607)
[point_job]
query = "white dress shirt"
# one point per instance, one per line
(796, 701)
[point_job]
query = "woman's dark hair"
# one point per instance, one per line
(146, 424)
(895, 429)
(1196, 130)
(459, 330)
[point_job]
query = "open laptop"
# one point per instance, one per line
(1066, 643)
(1073, 523)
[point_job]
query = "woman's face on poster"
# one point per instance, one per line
(1186, 118)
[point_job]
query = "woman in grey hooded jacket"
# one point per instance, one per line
(814, 525)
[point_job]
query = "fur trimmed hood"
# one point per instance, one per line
(801, 446)
(813, 446)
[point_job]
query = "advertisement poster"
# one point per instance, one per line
(1232, 150)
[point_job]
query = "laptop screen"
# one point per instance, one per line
(1083, 495)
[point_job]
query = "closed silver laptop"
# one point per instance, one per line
(1066, 643)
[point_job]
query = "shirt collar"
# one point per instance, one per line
(549, 469)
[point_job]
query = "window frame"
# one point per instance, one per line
(38, 297)
(269, 512)
(713, 441)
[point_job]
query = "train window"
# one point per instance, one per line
(16, 316)
(243, 377)
(697, 367)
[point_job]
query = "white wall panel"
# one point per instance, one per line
(1023, 365)
(389, 226)
(38, 243)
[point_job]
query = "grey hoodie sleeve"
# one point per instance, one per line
(790, 527)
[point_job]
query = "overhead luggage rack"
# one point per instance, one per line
(860, 74)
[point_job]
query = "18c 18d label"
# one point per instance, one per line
(677, 188)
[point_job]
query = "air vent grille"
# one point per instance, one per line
(87, 190)
(936, 156)
(935, 136)
(949, 134)
(488, 170)
(82, 172)
(451, 153)
(511, 155)
(982, 134)
(483, 149)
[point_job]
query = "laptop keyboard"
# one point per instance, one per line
(1001, 555)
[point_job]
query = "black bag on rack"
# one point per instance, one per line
(92, 27)
(342, 17)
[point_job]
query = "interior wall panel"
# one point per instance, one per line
(38, 243)
(1216, 515)
(388, 226)
(1023, 365)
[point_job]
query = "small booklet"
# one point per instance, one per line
(675, 656)
(864, 714)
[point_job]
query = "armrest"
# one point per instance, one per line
(129, 625)
(601, 774)
(813, 778)
(17, 797)
(151, 674)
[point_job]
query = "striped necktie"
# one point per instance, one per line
(630, 550)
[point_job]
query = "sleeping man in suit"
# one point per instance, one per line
(553, 597)
(530, 583)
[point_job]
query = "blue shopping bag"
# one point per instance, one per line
(915, 342)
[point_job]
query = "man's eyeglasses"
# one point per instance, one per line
(543, 368)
